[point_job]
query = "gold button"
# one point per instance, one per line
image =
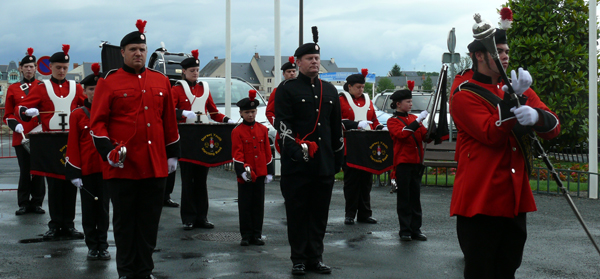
(317, 110)
(318, 124)
(316, 97)
(303, 100)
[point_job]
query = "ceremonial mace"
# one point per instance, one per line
(484, 33)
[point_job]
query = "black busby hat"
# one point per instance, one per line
(135, 37)
(309, 48)
(402, 94)
(250, 102)
(506, 19)
(291, 64)
(61, 57)
(191, 61)
(29, 58)
(92, 79)
(356, 78)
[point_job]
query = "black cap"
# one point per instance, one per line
(309, 48)
(291, 64)
(191, 61)
(61, 57)
(135, 37)
(499, 36)
(250, 102)
(92, 79)
(400, 95)
(29, 58)
(356, 78)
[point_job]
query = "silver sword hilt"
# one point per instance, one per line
(122, 156)
(304, 151)
(248, 174)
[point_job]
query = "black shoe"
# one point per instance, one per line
(299, 269)
(188, 226)
(349, 221)
(38, 210)
(320, 267)
(419, 236)
(257, 241)
(103, 255)
(21, 211)
(405, 237)
(170, 203)
(73, 233)
(368, 220)
(92, 255)
(204, 225)
(245, 242)
(51, 234)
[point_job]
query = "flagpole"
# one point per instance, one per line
(593, 103)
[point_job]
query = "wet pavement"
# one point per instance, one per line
(557, 246)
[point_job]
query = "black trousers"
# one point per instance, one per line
(251, 207)
(170, 185)
(408, 198)
(194, 194)
(94, 213)
(32, 188)
(307, 199)
(62, 197)
(357, 191)
(137, 205)
(493, 246)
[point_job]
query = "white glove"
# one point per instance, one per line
(520, 84)
(245, 176)
(32, 112)
(422, 116)
(230, 121)
(188, 114)
(116, 165)
(268, 178)
(77, 182)
(19, 128)
(172, 163)
(363, 124)
(526, 115)
(385, 129)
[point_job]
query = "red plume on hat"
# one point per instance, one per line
(29, 51)
(291, 59)
(506, 18)
(141, 24)
(410, 84)
(251, 94)
(364, 72)
(66, 49)
(195, 53)
(96, 68)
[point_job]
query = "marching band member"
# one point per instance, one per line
(134, 129)
(492, 195)
(288, 70)
(357, 113)
(83, 168)
(408, 135)
(32, 189)
(191, 97)
(308, 119)
(52, 101)
(254, 167)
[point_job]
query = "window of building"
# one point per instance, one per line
(269, 80)
(269, 90)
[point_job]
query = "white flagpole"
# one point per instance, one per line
(228, 58)
(593, 103)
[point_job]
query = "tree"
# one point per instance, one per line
(427, 84)
(395, 72)
(384, 84)
(465, 63)
(550, 38)
(369, 89)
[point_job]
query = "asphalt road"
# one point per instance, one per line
(557, 247)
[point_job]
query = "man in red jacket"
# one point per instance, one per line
(491, 193)
(31, 191)
(288, 70)
(134, 129)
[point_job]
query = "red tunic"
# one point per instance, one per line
(491, 177)
(250, 146)
(82, 156)
(14, 96)
(38, 98)
(181, 102)
(270, 113)
(138, 110)
(405, 147)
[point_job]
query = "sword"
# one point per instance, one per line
(483, 32)
(304, 152)
(248, 174)
(122, 155)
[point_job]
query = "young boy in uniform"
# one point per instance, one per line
(253, 166)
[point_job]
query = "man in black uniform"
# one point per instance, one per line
(308, 119)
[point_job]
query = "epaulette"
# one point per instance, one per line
(109, 72)
(40, 83)
(156, 71)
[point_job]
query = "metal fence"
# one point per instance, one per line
(6, 150)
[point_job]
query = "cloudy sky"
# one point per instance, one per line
(373, 34)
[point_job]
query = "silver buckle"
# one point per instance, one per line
(24, 86)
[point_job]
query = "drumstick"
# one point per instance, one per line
(95, 198)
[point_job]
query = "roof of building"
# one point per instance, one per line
(401, 80)
(211, 67)
(244, 71)
(266, 64)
